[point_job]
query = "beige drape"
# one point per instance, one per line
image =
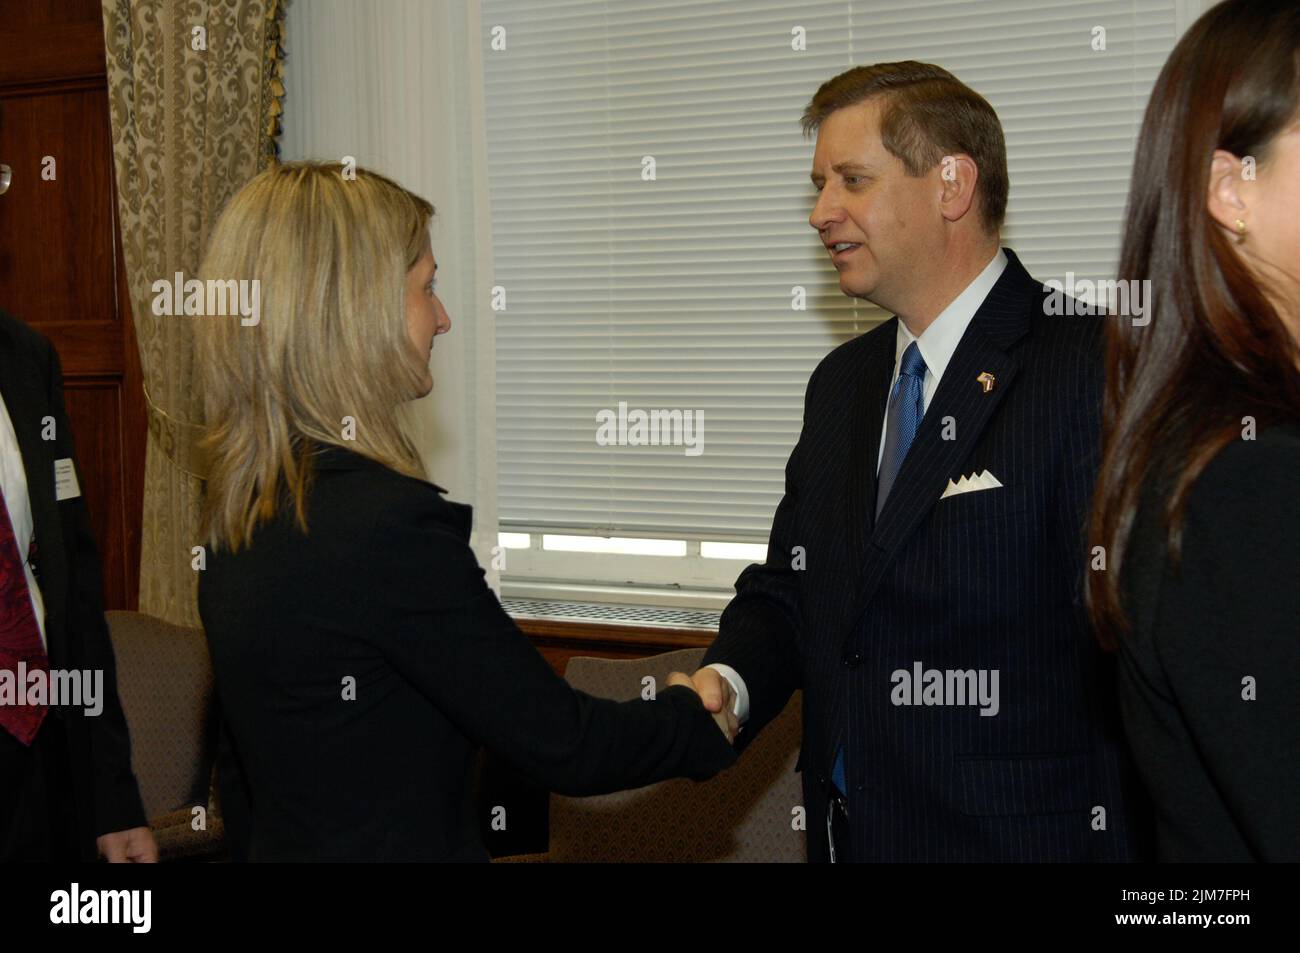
(194, 94)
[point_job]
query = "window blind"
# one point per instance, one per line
(650, 195)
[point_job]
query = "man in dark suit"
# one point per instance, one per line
(923, 577)
(66, 787)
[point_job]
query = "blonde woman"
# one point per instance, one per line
(360, 657)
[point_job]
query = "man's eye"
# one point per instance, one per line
(432, 286)
(852, 179)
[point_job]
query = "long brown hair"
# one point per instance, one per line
(1215, 349)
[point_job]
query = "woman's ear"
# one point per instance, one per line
(1224, 199)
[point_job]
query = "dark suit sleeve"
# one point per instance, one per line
(116, 797)
(758, 634)
(1082, 454)
(438, 623)
(1232, 614)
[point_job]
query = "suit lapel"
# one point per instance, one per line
(1002, 319)
(22, 392)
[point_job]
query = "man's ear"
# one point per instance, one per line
(1223, 198)
(958, 176)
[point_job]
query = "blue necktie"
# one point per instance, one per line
(906, 408)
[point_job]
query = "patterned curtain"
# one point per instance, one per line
(194, 91)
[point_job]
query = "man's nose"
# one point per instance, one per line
(444, 319)
(824, 210)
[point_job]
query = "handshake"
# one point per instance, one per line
(716, 693)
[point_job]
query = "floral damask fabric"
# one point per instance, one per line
(194, 91)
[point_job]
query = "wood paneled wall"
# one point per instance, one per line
(61, 262)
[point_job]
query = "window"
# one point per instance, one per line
(661, 300)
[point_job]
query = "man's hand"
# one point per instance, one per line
(135, 846)
(717, 695)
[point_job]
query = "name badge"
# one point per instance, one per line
(65, 480)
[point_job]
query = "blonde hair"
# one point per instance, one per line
(331, 255)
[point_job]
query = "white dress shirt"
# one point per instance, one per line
(937, 344)
(13, 482)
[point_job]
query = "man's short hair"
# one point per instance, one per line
(926, 113)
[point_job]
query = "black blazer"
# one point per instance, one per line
(360, 666)
(1223, 771)
(66, 565)
(985, 580)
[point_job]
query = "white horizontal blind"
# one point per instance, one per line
(676, 293)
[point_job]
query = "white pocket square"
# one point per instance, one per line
(982, 480)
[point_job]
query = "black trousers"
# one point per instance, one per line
(38, 821)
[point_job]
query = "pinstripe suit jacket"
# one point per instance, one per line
(982, 582)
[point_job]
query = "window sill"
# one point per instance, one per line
(562, 629)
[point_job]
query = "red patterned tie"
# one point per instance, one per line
(20, 636)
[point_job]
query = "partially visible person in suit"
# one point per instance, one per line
(922, 583)
(360, 657)
(66, 788)
(1196, 508)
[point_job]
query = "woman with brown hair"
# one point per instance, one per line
(1196, 514)
(360, 657)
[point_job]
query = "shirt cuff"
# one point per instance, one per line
(741, 709)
